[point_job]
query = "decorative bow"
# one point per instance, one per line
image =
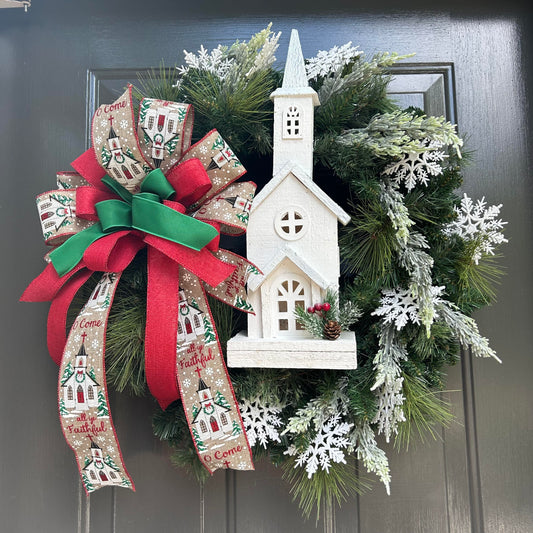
(138, 189)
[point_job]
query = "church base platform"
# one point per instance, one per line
(340, 354)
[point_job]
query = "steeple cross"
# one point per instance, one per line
(198, 370)
(83, 337)
(111, 118)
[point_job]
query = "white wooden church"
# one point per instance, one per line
(292, 237)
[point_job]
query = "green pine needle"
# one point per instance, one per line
(424, 410)
(323, 488)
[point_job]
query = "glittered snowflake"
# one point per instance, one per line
(124, 124)
(215, 61)
(203, 149)
(331, 61)
(260, 421)
(328, 446)
(417, 167)
(398, 306)
(478, 222)
(186, 382)
(390, 413)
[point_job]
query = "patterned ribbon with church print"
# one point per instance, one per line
(138, 188)
(83, 401)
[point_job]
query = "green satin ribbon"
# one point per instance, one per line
(143, 211)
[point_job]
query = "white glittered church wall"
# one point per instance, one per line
(317, 246)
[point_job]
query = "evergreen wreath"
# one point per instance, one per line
(416, 261)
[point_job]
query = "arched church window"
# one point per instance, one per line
(112, 474)
(203, 426)
(180, 329)
(170, 126)
(150, 122)
(224, 419)
(93, 475)
(70, 393)
(117, 173)
(135, 169)
(90, 393)
(291, 292)
(292, 123)
(196, 322)
(291, 223)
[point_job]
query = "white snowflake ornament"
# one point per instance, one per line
(478, 222)
(330, 61)
(260, 421)
(398, 306)
(390, 413)
(328, 446)
(417, 167)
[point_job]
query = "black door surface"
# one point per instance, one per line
(60, 60)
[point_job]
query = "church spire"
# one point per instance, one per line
(294, 104)
(294, 74)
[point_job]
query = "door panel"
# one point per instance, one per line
(477, 477)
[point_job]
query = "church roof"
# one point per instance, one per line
(112, 133)
(202, 385)
(288, 252)
(299, 173)
(94, 445)
(294, 76)
(82, 351)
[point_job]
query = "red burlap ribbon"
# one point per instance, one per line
(182, 351)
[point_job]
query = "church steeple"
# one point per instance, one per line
(81, 357)
(294, 104)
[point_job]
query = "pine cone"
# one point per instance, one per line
(332, 330)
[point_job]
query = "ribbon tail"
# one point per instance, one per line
(162, 308)
(57, 315)
(83, 402)
(211, 409)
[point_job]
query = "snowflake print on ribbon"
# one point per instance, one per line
(417, 167)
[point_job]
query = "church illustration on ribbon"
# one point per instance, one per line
(80, 389)
(292, 237)
(212, 420)
(98, 470)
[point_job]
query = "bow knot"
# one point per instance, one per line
(148, 211)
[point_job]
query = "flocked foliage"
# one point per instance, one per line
(396, 172)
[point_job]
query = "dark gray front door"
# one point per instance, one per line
(478, 477)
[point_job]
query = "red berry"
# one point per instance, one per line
(318, 307)
(326, 306)
(310, 309)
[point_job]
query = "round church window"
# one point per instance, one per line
(291, 223)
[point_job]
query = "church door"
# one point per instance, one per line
(103, 477)
(81, 396)
(214, 424)
(188, 327)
